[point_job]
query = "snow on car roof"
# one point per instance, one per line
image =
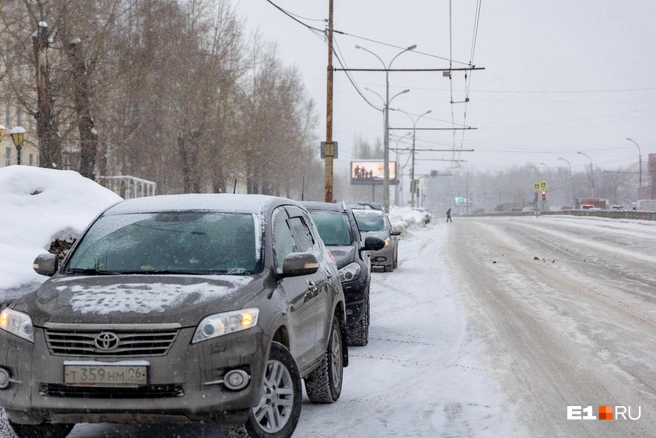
(368, 212)
(219, 202)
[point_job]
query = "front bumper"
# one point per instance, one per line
(383, 257)
(183, 385)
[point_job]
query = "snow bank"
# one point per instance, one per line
(404, 218)
(38, 206)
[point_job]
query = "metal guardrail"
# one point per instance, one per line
(128, 186)
(621, 214)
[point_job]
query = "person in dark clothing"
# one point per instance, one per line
(448, 215)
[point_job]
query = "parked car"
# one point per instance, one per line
(339, 231)
(376, 223)
(201, 308)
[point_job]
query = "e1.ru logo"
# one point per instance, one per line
(605, 413)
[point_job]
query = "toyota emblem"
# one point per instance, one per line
(106, 341)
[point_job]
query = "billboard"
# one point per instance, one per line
(371, 172)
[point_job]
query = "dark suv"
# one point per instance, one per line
(186, 308)
(339, 230)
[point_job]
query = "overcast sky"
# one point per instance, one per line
(560, 76)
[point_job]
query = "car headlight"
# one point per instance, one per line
(387, 242)
(17, 323)
(349, 272)
(225, 323)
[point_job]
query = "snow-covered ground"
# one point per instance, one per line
(490, 327)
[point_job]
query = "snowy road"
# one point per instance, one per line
(565, 307)
(491, 327)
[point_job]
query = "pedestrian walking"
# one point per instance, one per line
(448, 215)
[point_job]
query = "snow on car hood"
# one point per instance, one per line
(137, 298)
(343, 255)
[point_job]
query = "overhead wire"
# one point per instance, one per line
(468, 77)
(395, 46)
(290, 15)
(336, 49)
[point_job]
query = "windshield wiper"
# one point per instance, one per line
(89, 271)
(167, 272)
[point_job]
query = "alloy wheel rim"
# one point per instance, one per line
(336, 358)
(275, 408)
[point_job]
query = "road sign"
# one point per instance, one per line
(540, 185)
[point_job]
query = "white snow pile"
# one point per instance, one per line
(404, 218)
(38, 206)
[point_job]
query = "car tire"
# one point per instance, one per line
(388, 268)
(395, 263)
(277, 416)
(324, 385)
(41, 430)
(358, 334)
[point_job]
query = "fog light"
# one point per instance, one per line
(4, 378)
(236, 379)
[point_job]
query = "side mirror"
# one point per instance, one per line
(46, 264)
(299, 263)
(373, 244)
(395, 233)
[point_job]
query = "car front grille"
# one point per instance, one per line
(150, 391)
(128, 343)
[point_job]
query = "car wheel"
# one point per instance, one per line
(395, 263)
(358, 334)
(324, 385)
(277, 414)
(388, 268)
(41, 430)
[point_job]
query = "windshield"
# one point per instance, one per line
(172, 242)
(370, 222)
(333, 227)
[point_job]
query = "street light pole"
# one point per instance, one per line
(413, 187)
(591, 171)
(387, 67)
(570, 178)
(399, 175)
(640, 170)
(548, 169)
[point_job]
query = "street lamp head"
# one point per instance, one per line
(358, 47)
(17, 135)
(579, 152)
(412, 47)
(407, 90)
(3, 131)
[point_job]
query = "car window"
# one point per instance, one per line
(172, 242)
(333, 227)
(370, 222)
(304, 240)
(283, 243)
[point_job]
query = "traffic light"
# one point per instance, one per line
(544, 195)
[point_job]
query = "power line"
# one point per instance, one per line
(396, 47)
(290, 15)
(348, 75)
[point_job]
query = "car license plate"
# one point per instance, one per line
(106, 375)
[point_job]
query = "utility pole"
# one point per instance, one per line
(330, 150)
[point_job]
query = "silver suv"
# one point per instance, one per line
(194, 308)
